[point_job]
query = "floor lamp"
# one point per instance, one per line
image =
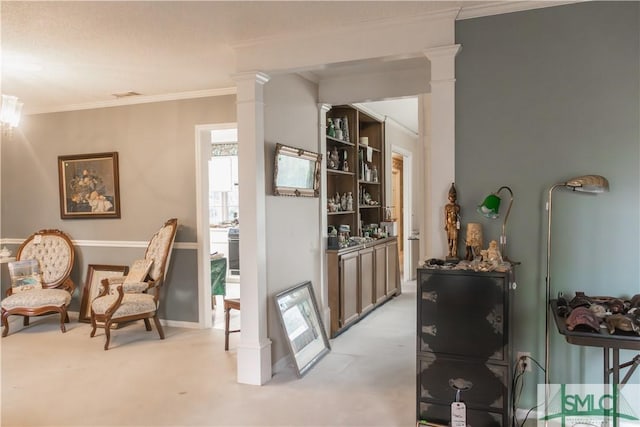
(591, 184)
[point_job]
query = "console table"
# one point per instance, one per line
(610, 344)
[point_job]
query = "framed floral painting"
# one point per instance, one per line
(89, 186)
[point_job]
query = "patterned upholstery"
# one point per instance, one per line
(36, 298)
(120, 301)
(55, 255)
(131, 304)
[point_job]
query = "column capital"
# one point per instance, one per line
(324, 107)
(256, 76)
(442, 61)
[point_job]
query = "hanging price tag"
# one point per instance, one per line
(458, 414)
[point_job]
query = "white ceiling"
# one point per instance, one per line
(57, 54)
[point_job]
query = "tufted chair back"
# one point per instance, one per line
(159, 249)
(54, 252)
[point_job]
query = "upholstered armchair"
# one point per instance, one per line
(49, 288)
(136, 296)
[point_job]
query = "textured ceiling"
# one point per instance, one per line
(57, 54)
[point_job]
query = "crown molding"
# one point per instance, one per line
(501, 7)
(357, 28)
(141, 99)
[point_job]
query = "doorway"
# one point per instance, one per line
(218, 218)
(397, 205)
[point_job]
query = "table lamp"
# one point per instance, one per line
(490, 208)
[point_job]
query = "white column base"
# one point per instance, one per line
(254, 363)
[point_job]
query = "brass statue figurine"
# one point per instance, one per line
(452, 223)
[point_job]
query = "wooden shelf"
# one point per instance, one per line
(360, 181)
(339, 172)
(340, 141)
(341, 213)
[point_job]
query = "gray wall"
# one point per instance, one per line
(156, 148)
(543, 96)
(293, 245)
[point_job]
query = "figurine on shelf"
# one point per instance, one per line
(337, 123)
(344, 164)
(349, 201)
(452, 223)
(334, 158)
(331, 129)
(492, 253)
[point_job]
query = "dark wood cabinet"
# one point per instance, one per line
(361, 278)
(463, 342)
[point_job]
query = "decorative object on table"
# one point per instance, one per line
(474, 241)
(589, 184)
(93, 284)
(5, 253)
(89, 186)
(452, 223)
(492, 253)
(296, 172)
(300, 319)
(490, 208)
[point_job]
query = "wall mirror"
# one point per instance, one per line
(300, 319)
(296, 172)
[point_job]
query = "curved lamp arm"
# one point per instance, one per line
(503, 236)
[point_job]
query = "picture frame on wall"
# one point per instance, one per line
(93, 285)
(89, 186)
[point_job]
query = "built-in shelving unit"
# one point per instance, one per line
(355, 166)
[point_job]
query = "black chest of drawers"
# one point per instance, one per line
(463, 343)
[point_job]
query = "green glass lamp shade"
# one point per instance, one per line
(490, 207)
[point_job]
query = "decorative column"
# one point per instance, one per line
(254, 350)
(440, 149)
(323, 109)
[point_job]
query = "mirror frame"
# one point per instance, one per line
(314, 175)
(301, 296)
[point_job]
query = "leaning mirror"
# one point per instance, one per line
(296, 172)
(300, 320)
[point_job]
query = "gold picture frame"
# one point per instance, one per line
(93, 284)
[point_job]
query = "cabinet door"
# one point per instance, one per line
(348, 288)
(463, 314)
(366, 279)
(380, 278)
(392, 268)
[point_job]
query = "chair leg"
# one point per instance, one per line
(107, 333)
(94, 326)
(226, 328)
(147, 324)
(25, 320)
(158, 326)
(63, 315)
(5, 323)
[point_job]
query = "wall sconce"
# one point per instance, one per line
(490, 208)
(10, 112)
(590, 184)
